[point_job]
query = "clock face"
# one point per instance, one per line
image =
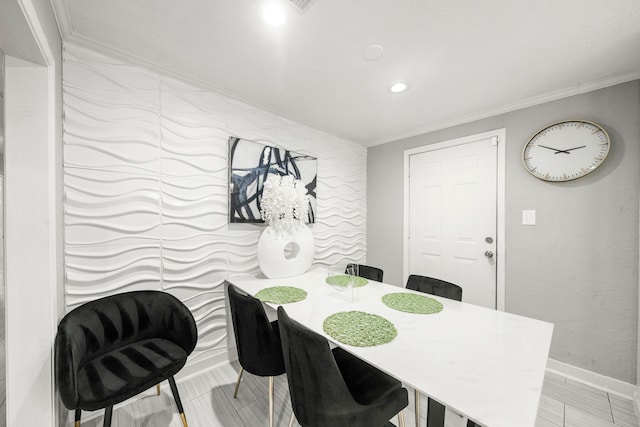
(566, 150)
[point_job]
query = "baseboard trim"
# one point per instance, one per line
(608, 384)
(636, 402)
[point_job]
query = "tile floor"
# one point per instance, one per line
(568, 403)
(208, 402)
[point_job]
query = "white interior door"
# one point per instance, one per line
(452, 216)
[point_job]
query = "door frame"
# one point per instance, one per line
(32, 214)
(500, 135)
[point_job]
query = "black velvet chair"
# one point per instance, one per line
(366, 271)
(332, 387)
(257, 340)
(114, 348)
(430, 285)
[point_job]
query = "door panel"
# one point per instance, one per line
(452, 209)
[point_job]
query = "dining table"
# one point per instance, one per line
(484, 365)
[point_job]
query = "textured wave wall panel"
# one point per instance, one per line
(101, 206)
(110, 114)
(243, 252)
(146, 189)
(194, 206)
(250, 123)
(95, 271)
(112, 193)
(341, 228)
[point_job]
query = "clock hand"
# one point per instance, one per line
(570, 149)
(557, 150)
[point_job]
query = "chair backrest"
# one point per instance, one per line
(257, 341)
(316, 385)
(368, 272)
(433, 286)
(108, 323)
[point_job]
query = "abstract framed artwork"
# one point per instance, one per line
(250, 163)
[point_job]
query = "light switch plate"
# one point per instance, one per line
(528, 217)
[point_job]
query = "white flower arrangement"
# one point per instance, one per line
(285, 203)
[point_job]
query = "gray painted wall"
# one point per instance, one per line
(578, 267)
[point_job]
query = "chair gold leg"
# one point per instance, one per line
(158, 389)
(401, 419)
(235, 393)
(184, 420)
(270, 401)
(293, 417)
(76, 424)
(176, 397)
(417, 399)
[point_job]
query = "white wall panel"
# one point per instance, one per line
(101, 206)
(194, 208)
(340, 231)
(250, 122)
(94, 271)
(146, 183)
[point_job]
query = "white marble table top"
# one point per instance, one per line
(487, 365)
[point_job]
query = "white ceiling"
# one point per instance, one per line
(463, 59)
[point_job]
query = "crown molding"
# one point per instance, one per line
(61, 14)
(529, 102)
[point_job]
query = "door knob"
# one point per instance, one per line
(488, 254)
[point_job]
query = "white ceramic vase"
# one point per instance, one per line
(285, 252)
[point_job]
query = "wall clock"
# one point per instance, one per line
(566, 150)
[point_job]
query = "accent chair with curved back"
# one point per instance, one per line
(367, 271)
(332, 387)
(113, 348)
(257, 340)
(441, 288)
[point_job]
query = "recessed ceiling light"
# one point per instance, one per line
(273, 14)
(373, 52)
(398, 87)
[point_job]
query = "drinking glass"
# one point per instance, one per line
(336, 273)
(352, 275)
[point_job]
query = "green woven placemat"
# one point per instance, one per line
(343, 279)
(412, 303)
(359, 329)
(281, 294)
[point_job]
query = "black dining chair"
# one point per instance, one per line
(441, 288)
(257, 340)
(111, 349)
(366, 271)
(332, 387)
(434, 286)
(436, 413)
